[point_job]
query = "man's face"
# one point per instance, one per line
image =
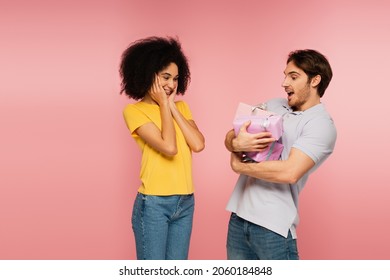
(297, 86)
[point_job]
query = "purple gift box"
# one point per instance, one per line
(261, 120)
(273, 152)
(271, 123)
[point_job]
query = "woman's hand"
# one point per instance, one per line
(171, 98)
(157, 92)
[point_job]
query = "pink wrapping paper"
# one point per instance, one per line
(261, 120)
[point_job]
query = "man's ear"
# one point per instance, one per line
(315, 81)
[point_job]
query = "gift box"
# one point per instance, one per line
(261, 121)
(272, 152)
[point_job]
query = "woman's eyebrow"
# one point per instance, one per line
(169, 74)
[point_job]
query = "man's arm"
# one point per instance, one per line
(279, 171)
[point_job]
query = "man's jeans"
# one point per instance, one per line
(248, 241)
(162, 226)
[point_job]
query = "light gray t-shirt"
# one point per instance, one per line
(272, 205)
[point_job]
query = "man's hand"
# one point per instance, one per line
(251, 142)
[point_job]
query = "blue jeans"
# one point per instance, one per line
(248, 241)
(162, 226)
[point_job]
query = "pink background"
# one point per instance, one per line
(69, 168)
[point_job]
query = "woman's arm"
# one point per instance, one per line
(163, 140)
(193, 136)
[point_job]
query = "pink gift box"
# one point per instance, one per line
(271, 123)
(273, 152)
(261, 120)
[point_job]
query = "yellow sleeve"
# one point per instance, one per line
(184, 109)
(134, 117)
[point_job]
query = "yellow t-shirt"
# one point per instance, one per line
(160, 174)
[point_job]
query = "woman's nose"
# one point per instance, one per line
(171, 84)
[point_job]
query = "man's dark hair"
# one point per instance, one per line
(313, 63)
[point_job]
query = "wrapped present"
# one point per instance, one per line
(272, 152)
(261, 121)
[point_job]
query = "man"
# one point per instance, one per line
(264, 203)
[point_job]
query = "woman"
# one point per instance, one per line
(154, 70)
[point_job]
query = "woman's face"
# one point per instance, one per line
(169, 78)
